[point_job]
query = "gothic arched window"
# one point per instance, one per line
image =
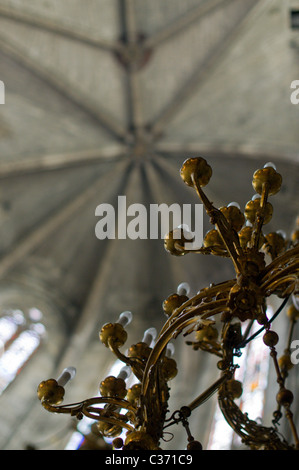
(21, 334)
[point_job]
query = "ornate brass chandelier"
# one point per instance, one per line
(264, 265)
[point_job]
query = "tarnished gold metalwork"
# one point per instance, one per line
(173, 302)
(265, 265)
(51, 392)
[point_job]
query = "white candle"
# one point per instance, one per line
(295, 299)
(66, 375)
(234, 204)
(183, 288)
(282, 233)
(169, 350)
(125, 318)
(124, 373)
(270, 164)
(149, 336)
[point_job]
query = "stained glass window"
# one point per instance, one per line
(21, 334)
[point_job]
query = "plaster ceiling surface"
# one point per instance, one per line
(106, 98)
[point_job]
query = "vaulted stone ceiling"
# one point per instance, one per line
(107, 98)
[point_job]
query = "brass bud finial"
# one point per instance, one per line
(174, 242)
(252, 208)
(51, 392)
(115, 333)
(172, 302)
(267, 175)
(199, 168)
(113, 387)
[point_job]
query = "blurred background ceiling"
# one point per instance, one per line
(106, 98)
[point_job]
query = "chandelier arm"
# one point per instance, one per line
(65, 409)
(210, 347)
(97, 414)
(174, 329)
(259, 220)
(253, 434)
(286, 272)
(181, 322)
(291, 279)
(76, 408)
(231, 242)
(288, 256)
(285, 268)
(119, 402)
(210, 291)
(132, 362)
(210, 391)
(205, 315)
(205, 250)
(154, 405)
